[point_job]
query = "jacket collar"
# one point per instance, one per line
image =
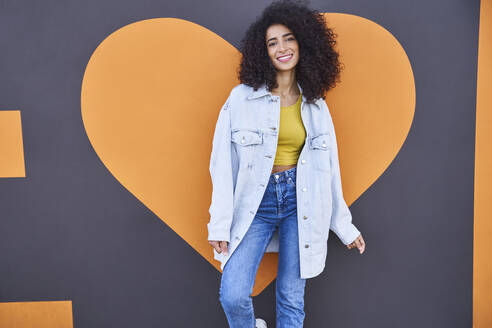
(262, 91)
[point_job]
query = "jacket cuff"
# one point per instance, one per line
(348, 233)
(218, 235)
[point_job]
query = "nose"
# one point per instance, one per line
(281, 46)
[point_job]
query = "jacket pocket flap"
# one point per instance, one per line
(245, 137)
(321, 141)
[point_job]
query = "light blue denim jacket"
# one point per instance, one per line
(243, 150)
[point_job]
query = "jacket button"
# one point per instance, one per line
(273, 128)
(303, 161)
(242, 140)
(306, 246)
(237, 238)
(304, 217)
(304, 189)
(324, 145)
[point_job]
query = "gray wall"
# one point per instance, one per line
(67, 229)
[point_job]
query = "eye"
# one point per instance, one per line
(271, 44)
(291, 39)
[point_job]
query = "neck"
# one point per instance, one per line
(287, 84)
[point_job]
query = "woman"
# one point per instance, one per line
(261, 201)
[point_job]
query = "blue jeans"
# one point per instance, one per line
(278, 209)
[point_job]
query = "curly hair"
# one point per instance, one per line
(318, 68)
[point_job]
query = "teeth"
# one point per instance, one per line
(284, 57)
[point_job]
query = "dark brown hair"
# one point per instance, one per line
(318, 68)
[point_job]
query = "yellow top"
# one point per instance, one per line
(291, 134)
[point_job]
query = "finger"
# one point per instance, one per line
(363, 244)
(223, 246)
(217, 247)
(359, 245)
(352, 244)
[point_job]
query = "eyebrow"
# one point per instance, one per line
(282, 36)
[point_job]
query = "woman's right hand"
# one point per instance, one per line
(220, 246)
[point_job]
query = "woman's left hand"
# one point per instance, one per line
(359, 243)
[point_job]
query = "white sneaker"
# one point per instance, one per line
(260, 323)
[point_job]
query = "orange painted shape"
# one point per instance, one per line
(373, 106)
(53, 314)
(152, 91)
(482, 261)
(11, 147)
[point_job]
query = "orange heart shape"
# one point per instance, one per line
(152, 90)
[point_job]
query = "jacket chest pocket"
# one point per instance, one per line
(246, 142)
(321, 147)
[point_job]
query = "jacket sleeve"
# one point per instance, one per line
(221, 207)
(341, 220)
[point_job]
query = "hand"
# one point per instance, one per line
(220, 246)
(359, 243)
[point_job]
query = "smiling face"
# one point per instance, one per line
(282, 47)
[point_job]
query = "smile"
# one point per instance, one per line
(285, 58)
